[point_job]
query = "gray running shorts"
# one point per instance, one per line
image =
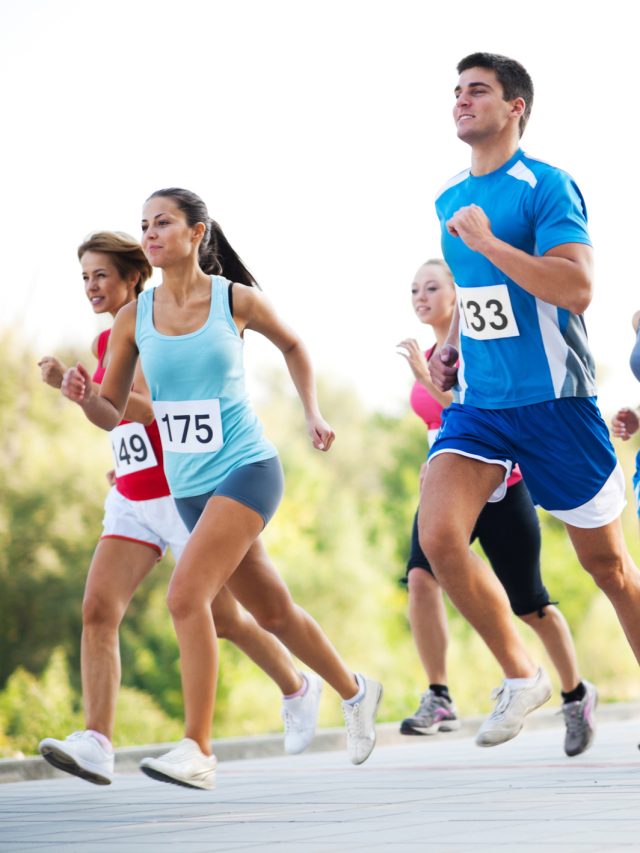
(258, 485)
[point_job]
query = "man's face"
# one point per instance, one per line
(480, 111)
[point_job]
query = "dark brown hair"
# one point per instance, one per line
(513, 77)
(215, 255)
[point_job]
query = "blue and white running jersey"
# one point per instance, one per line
(516, 349)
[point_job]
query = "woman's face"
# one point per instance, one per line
(433, 295)
(166, 237)
(106, 290)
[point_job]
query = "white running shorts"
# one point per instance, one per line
(155, 523)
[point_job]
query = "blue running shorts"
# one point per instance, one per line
(562, 447)
(636, 483)
(258, 485)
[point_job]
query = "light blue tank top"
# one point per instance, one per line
(206, 422)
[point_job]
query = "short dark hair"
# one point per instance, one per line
(512, 76)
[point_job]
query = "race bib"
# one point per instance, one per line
(132, 450)
(189, 426)
(486, 312)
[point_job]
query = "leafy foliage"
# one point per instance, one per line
(340, 540)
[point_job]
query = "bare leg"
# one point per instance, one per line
(454, 491)
(117, 570)
(217, 545)
(554, 632)
(429, 626)
(258, 587)
(603, 553)
(233, 623)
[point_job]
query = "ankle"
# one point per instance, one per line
(301, 690)
(576, 695)
(103, 740)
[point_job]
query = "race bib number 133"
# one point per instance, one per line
(486, 312)
(189, 426)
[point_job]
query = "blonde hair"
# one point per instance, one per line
(125, 251)
(439, 262)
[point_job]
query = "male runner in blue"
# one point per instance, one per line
(514, 233)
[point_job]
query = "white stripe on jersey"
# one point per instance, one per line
(461, 380)
(554, 344)
(457, 179)
(523, 173)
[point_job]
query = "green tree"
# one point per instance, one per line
(52, 487)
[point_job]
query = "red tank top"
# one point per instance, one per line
(151, 482)
(430, 410)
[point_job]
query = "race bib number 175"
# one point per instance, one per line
(189, 426)
(486, 312)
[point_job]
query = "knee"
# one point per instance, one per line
(423, 587)
(100, 612)
(549, 612)
(438, 543)
(276, 616)
(181, 602)
(609, 572)
(532, 618)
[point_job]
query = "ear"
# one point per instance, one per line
(518, 106)
(132, 279)
(198, 232)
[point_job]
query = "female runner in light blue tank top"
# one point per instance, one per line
(225, 475)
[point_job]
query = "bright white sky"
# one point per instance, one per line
(318, 132)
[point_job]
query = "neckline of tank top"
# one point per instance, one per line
(187, 335)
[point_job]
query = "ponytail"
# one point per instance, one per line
(218, 257)
(215, 255)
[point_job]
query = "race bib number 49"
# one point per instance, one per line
(486, 312)
(132, 450)
(189, 426)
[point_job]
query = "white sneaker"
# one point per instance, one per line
(360, 719)
(80, 754)
(185, 765)
(513, 706)
(300, 716)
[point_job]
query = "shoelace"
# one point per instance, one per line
(503, 695)
(428, 704)
(290, 722)
(352, 718)
(572, 716)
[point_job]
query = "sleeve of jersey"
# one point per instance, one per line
(559, 212)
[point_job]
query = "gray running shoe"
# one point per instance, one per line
(435, 714)
(580, 721)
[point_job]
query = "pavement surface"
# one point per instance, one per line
(438, 793)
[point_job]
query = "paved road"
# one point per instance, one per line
(431, 794)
